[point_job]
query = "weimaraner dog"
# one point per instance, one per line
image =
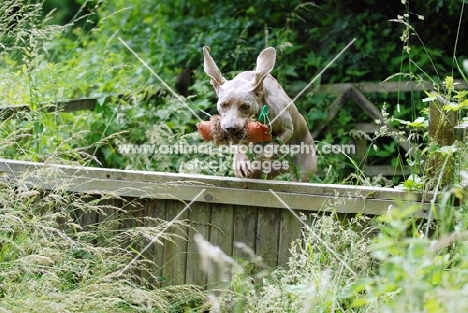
(243, 97)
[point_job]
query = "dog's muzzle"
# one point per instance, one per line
(232, 130)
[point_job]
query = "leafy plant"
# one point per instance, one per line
(312, 280)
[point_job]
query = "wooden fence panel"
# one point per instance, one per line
(154, 210)
(290, 230)
(245, 229)
(267, 238)
(175, 252)
(230, 210)
(222, 236)
(200, 217)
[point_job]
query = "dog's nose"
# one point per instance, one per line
(232, 130)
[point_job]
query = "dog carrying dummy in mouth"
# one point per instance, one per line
(253, 131)
(258, 94)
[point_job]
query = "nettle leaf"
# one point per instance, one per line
(461, 94)
(432, 148)
(400, 121)
(101, 100)
(359, 302)
(356, 287)
(414, 182)
(415, 162)
(452, 107)
(447, 150)
(428, 99)
(449, 82)
(463, 104)
(431, 96)
(420, 122)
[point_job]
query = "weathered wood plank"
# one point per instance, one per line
(268, 233)
(128, 221)
(175, 252)
(154, 212)
(245, 229)
(290, 230)
(461, 131)
(368, 128)
(441, 131)
(200, 216)
(129, 182)
(357, 203)
(108, 219)
(372, 87)
(387, 170)
(88, 219)
(221, 235)
(75, 105)
(10, 110)
(65, 106)
(225, 190)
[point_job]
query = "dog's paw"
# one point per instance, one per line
(242, 166)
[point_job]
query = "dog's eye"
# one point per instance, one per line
(225, 104)
(245, 106)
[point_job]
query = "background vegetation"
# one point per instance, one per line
(70, 49)
(56, 50)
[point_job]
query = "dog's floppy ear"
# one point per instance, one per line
(265, 64)
(212, 69)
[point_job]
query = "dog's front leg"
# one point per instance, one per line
(285, 135)
(242, 167)
(283, 128)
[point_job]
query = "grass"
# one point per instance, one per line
(397, 270)
(53, 262)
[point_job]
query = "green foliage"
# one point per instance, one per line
(415, 274)
(49, 263)
(313, 279)
(84, 58)
(410, 265)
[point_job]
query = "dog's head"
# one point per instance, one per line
(240, 98)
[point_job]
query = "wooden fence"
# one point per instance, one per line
(226, 210)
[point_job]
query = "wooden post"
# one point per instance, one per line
(441, 132)
(461, 132)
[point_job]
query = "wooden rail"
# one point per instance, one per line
(229, 209)
(374, 87)
(331, 89)
(221, 190)
(65, 106)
